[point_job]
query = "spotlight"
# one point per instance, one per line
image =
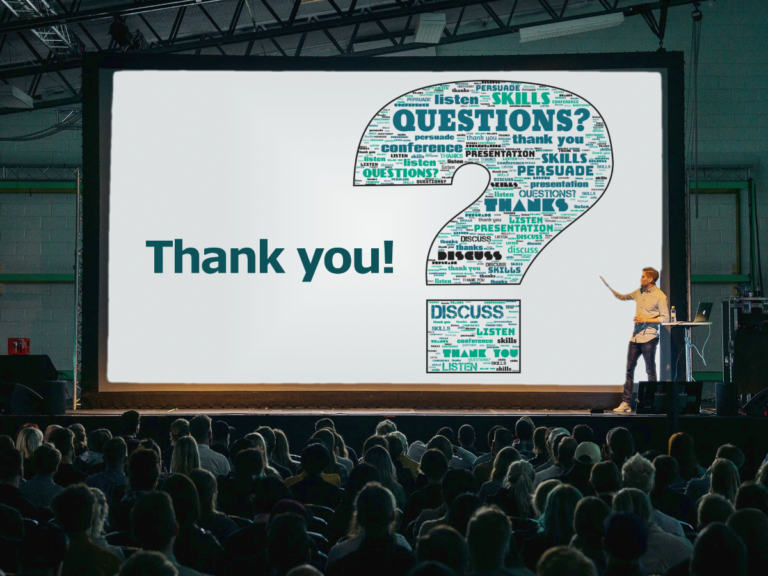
(571, 27)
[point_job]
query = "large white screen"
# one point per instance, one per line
(224, 159)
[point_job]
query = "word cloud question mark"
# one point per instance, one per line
(547, 150)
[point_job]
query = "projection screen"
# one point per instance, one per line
(409, 224)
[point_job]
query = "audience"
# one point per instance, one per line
(80, 502)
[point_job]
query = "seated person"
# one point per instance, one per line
(312, 488)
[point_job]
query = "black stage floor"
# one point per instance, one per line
(651, 432)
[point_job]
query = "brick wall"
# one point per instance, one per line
(36, 233)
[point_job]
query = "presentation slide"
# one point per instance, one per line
(316, 227)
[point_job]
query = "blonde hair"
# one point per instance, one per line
(100, 512)
(29, 440)
(261, 446)
(186, 456)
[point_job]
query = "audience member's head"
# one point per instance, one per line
(752, 495)
(733, 453)
(326, 436)
(28, 440)
(583, 433)
(98, 439)
(375, 441)
(238, 446)
(713, 508)
(395, 444)
(456, 482)
(220, 433)
(43, 548)
(762, 475)
(11, 466)
(566, 450)
(724, 479)
(433, 465)
(447, 432)
(501, 439)
(100, 512)
(147, 563)
(588, 453)
(385, 427)
(374, 513)
(444, 445)
(207, 491)
(605, 478)
(620, 446)
(359, 477)
(461, 510)
(625, 538)
(524, 429)
(445, 545)
(271, 491)
(64, 441)
(304, 570)
(73, 509)
(556, 521)
(115, 453)
(325, 423)
(47, 460)
(540, 440)
(48, 430)
(718, 550)
(467, 436)
(501, 462)
(186, 456)
(430, 568)
(666, 471)
(143, 470)
(315, 458)
(488, 537)
(179, 429)
(153, 522)
(81, 439)
(519, 484)
(200, 429)
(130, 422)
(186, 502)
(681, 448)
(379, 458)
(589, 518)
(638, 472)
(633, 501)
(541, 493)
(249, 464)
(751, 525)
(491, 434)
(288, 544)
(565, 561)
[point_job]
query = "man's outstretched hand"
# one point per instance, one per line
(609, 288)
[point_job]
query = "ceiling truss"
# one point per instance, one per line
(41, 44)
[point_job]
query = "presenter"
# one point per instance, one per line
(651, 310)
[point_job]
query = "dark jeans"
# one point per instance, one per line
(648, 350)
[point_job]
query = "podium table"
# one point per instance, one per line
(688, 345)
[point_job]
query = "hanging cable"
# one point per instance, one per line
(693, 99)
(759, 282)
(69, 121)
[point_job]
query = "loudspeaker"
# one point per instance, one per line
(17, 399)
(27, 369)
(758, 406)
(750, 358)
(725, 399)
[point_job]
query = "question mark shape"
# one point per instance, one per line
(542, 176)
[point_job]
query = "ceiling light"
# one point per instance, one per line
(12, 97)
(571, 27)
(430, 28)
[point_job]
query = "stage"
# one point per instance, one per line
(651, 432)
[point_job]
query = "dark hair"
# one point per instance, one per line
(540, 440)
(489, 535)
(502, 438)
(667, 470)
(147, 563)
(524, 429)
(315, 458)
(153, 521)
(461, 510)
(288, 544)
(466, 435)
(325, 423)
(733, 453)
(557, 517)
(566, 450)
(718, 550)
(590, 516)
(129, 422)
(431, 568)
(143, 471)
(269, 437)
(149, 444)
(433, 464)
(98, 439)
(456, 482)
(565, 560)
(47, 459)
(73, 508)
(583, 433)
(713, 508)
(10, 464)
(605, 477)
(270, 492)
(444, 544)
(180, 427)
(375, 441)
(115, 452)
(238, 446)
(43, 547)
(752, 527)
(375, 509)
(447, 432)
(64, 441)
(248, 463)
(621, 443)
(395, 443)
(186, 502)
(200, 428)
(491, 433)
(681, 449)
(625, 537)
(752, 495)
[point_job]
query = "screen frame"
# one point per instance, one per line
(97, 392)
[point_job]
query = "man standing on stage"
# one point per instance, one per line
(652, 310)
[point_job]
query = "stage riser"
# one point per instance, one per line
(650, 432)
